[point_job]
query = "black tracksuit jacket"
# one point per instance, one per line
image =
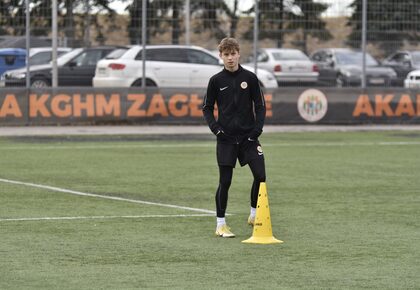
(240, 104)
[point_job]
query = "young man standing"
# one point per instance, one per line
(241, 113)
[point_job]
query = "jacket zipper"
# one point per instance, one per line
(235, 103)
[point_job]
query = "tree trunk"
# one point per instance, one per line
(68, 24)
(175, 23)
(234, 20)
(87, 22)
(280, 27)
(305, 42)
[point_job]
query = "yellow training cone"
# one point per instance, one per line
(262, 233)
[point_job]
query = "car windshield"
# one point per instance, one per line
(416, 57)
(355, 58)
(43, 57)
(63, 59)
(289, 55)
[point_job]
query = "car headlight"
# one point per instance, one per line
(348, 73)
(270, 77)
(393, 74)
(17, 76)
(266, 75)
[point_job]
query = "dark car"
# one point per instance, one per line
(75, 68)
(43, 55)
(403, 62)
(343, 67)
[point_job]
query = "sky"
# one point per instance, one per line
(337, 7)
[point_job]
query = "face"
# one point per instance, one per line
(230, 59)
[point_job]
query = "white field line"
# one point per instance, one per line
(189, 145)
(111, 146)
(58, 189)
(103, 217)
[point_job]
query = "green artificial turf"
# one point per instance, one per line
(346, 205)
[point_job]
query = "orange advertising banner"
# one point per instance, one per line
(66, 106)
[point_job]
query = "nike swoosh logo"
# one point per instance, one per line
(222, 89)
(260, 153)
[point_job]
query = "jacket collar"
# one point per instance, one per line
(235, 72)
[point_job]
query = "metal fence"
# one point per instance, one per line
(307, 25)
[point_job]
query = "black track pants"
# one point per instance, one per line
(257, 167)
(258, 171)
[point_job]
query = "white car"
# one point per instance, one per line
(287, 65)
(412, 81)
(166, 66)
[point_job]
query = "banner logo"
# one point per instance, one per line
(312, 105)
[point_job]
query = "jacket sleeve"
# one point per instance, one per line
(259, 106)
(208, 107)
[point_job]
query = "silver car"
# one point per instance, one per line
(287, 65)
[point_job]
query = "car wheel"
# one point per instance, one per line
(340, 81)
(40, 83)
(149, 83)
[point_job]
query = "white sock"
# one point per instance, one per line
(253, 212)
(220, 221)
